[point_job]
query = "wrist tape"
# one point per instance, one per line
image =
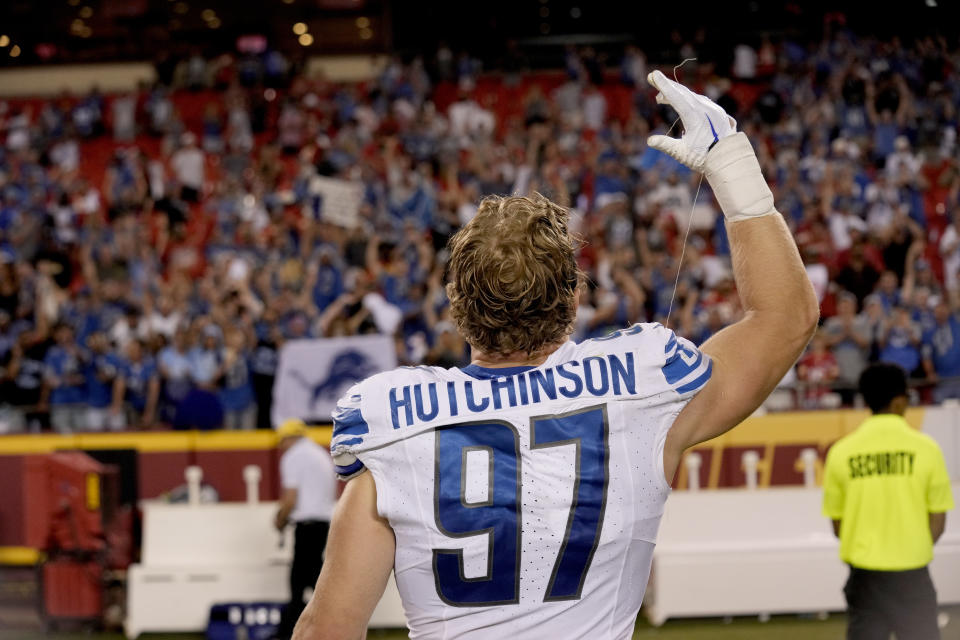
(732, 169)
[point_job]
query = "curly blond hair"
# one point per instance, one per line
(513, 276)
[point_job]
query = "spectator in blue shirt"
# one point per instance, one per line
(236, 396)
(63, 375)
(82, 315)
(941, 353)
(204, 358)
(140, 384)
(610, 184)
(104, 397)
(174, 366)
(888, 289)
(900, 341)
(202, 408)
(263, 368)
(328, 280)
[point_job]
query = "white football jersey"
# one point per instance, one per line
(525, 501)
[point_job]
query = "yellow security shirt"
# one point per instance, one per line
(882, 481)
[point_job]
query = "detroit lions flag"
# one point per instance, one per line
(313, 374)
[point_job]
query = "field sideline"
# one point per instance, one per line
(785, 627)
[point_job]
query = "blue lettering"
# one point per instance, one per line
(588, 375)
(628, 373)
(503, 383)
(572, 377)
(544, 380)
(418, 398)
(522, 388)
(396, 404)
(471, 403)
(452, 396)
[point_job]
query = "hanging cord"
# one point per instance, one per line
(686, 235)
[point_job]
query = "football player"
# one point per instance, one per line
(520, 496)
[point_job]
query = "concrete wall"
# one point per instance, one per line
(346, 68)
(79, 78)
(48, 80)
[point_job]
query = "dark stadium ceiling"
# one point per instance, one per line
(84, 30)
(38, 31)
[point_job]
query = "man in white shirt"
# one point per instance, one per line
(950, 252)
(307, 499)
(188, 167)
(594, 109)
(469, 120)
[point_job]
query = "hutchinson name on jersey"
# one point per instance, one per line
(525, 501)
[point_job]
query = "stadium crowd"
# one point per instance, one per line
(159, 290)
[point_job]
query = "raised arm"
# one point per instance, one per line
(751, 356)
(373, 256)
(153, 396)
(780, 306)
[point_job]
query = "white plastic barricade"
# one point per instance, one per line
(808, 462)
(195, 556)
(943, 425)
(750, 463)
(737, 552)
(389, 612)
(693, 462)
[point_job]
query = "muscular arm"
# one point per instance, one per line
(780, 306)
(153, 396)
(751, 356)
(359, 559)
(938, 522)
(119, 390)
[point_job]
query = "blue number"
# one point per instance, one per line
(498, 516)
(587, 429)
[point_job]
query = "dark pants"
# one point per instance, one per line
(189, 194)
(883, 602)
(263, 393)
(309, 541)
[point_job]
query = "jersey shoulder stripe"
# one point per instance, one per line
(684, 368)
(349, 427)
(352, 428)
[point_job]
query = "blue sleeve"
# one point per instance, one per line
(52, 363)
(686, 369)
(123, 367)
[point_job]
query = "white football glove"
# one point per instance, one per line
(710, 144)
(704, 122)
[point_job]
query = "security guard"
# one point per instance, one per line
(887, 491)
(309, 495)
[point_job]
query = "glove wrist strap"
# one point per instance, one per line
(732, 169)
